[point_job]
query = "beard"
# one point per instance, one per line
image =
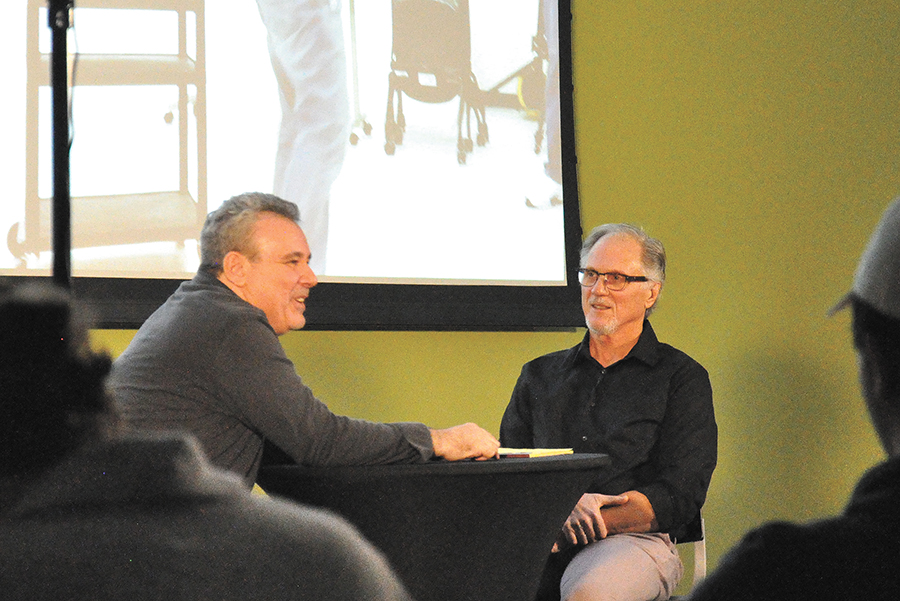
(605, 329)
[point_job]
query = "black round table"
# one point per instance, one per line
(467, 530)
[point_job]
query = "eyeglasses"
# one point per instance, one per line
(612, 281)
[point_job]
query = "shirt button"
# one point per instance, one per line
(584, 438)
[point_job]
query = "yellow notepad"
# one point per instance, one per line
(508, 452)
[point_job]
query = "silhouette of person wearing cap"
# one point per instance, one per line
(855, 555)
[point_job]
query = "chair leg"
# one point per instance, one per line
(463, 145)
(393, 127)
(700, 555)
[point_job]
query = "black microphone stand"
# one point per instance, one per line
(58, 17)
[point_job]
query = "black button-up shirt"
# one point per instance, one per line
(651, 412)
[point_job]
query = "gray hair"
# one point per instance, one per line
(653, 254)
(230, 227)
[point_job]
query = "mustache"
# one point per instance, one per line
(599, 302)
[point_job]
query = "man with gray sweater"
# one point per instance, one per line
(209, 360)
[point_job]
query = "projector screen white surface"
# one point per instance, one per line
(416, 216)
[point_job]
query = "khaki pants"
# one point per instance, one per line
(624, 567)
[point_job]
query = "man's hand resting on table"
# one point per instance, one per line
(466, 441)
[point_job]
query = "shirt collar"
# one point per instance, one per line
(206, 278)
(211, 281)
(646, 349)
(877, 491)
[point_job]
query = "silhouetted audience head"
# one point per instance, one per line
(52, 395)
(875, 300)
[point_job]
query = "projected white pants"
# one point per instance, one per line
(553, 166)
(306, 47)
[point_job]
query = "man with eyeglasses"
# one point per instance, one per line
(642, 402)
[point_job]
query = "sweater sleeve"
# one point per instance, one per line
(259, 384)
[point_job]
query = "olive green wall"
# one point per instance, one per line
(759, 141)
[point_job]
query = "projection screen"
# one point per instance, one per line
(428, 143)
